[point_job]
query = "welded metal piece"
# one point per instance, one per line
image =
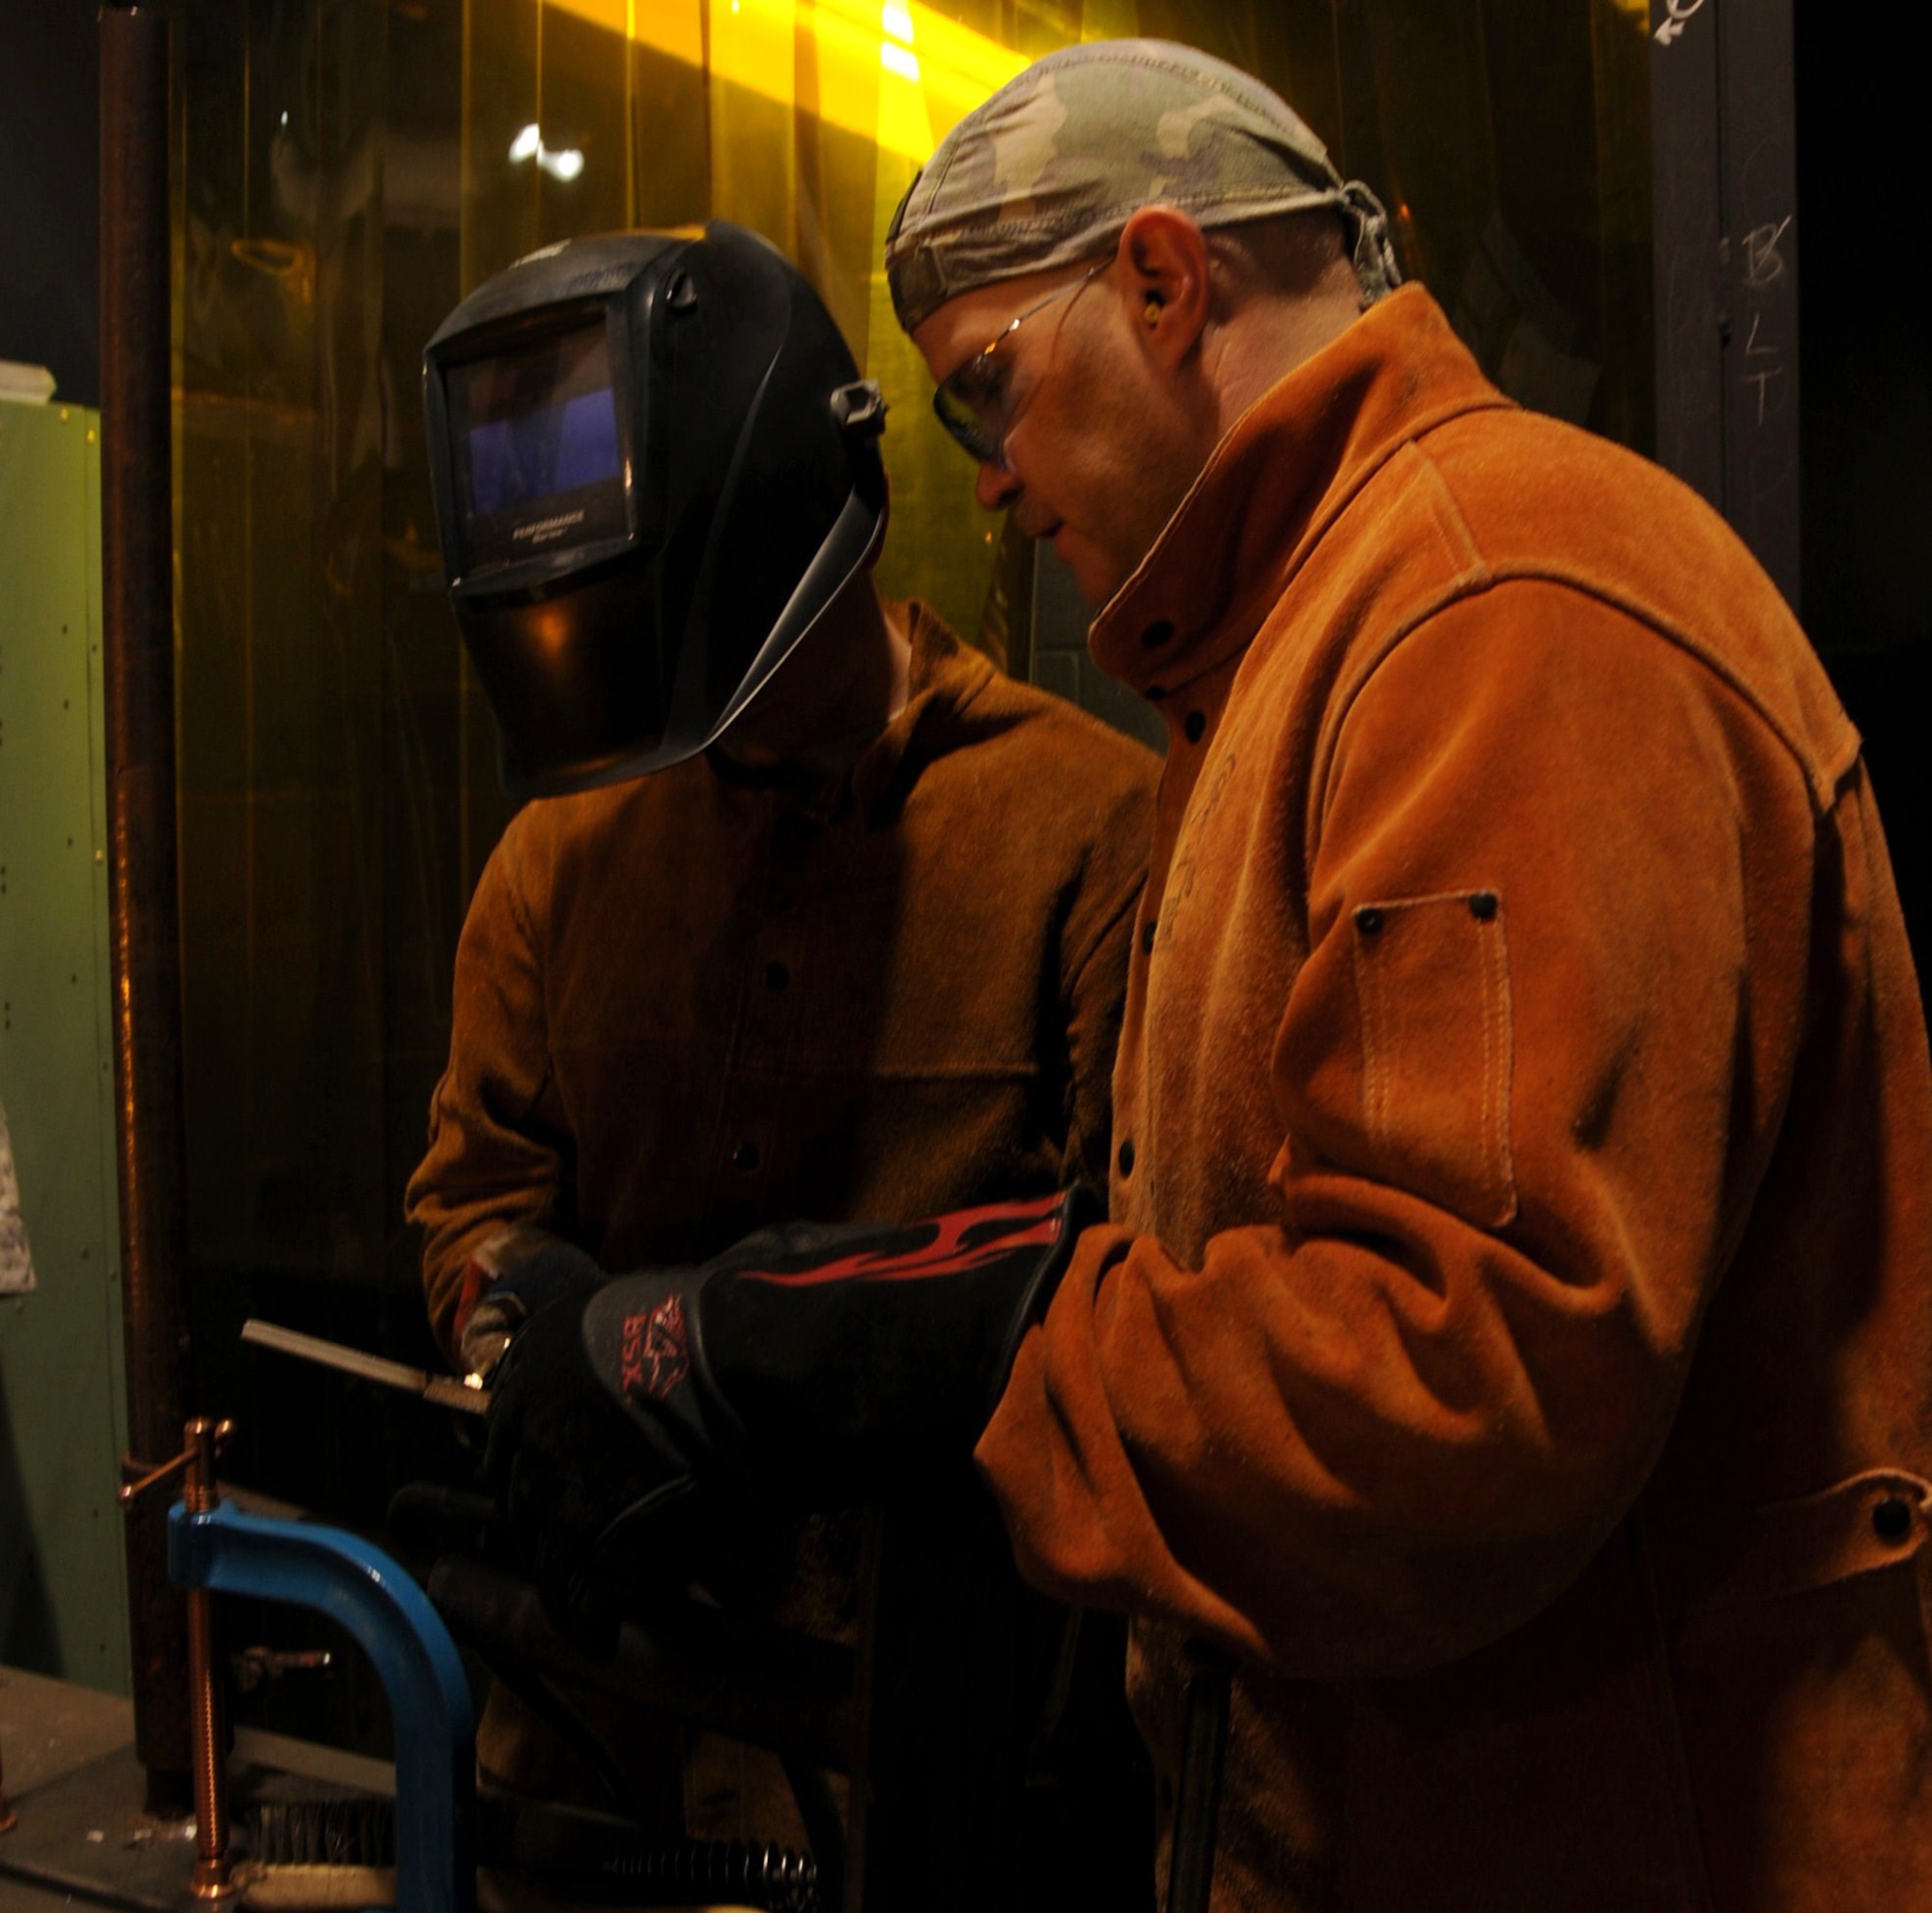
(220, 1550)
(137, 648)
(468, 1394)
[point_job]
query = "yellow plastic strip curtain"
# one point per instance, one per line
(804, 120)
(754, 46)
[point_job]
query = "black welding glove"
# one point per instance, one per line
(823, 1364)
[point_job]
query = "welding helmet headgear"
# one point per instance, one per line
(655, 466)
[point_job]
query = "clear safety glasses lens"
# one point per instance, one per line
(972, 400)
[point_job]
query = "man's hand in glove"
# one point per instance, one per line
(512, 1277)
(828, 1363)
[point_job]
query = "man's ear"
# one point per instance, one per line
(1164, 257)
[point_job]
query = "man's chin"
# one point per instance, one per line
(1091, 571)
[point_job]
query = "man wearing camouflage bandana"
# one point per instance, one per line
(1050, 169)
(1509, 1340)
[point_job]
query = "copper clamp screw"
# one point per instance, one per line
(202, 1440)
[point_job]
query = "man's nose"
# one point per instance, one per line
(997, 487)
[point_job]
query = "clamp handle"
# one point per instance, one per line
(203, 1438)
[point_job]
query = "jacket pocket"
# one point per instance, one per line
(1431, 977)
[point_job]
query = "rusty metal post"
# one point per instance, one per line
(137, 603)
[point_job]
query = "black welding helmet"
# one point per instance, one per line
(655, 464)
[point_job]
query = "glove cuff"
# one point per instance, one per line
(510, 1278)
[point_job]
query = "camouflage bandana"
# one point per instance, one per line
(1050, 169)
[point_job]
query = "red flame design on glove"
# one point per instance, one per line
(656, 1352)
(1034, 1224)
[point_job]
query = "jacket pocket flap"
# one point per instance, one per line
(1432, 981)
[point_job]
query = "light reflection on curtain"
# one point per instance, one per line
(1510, 139)
(800, 119)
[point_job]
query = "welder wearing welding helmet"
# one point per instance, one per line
(816, 916)
(656, 471)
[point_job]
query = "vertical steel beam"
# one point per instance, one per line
(1686, 173)
(1725, 197)
(144, 922)
(1760, 188)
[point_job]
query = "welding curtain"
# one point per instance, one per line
(347, 169)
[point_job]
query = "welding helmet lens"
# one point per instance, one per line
(535, 432)
(655, 466)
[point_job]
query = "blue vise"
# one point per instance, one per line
(363, 1590)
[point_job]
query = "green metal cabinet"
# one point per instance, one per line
(63, 1600)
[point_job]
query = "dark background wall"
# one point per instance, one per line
(1867, 372)
(49, 173)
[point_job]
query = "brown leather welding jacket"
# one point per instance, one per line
(692, 1005)
(1515, 1337)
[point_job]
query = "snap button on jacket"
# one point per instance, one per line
(1514, 1338)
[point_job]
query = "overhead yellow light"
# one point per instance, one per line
(866, 55)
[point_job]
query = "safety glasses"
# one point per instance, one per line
(974, 400)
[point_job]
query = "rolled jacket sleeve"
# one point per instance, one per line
(1526, 1077)
(492, 1163)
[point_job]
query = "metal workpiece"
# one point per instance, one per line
(466, 1394)
(220, 1550)
(137, 644)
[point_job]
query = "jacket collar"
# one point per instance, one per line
(944, 679)
(1276, 482)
